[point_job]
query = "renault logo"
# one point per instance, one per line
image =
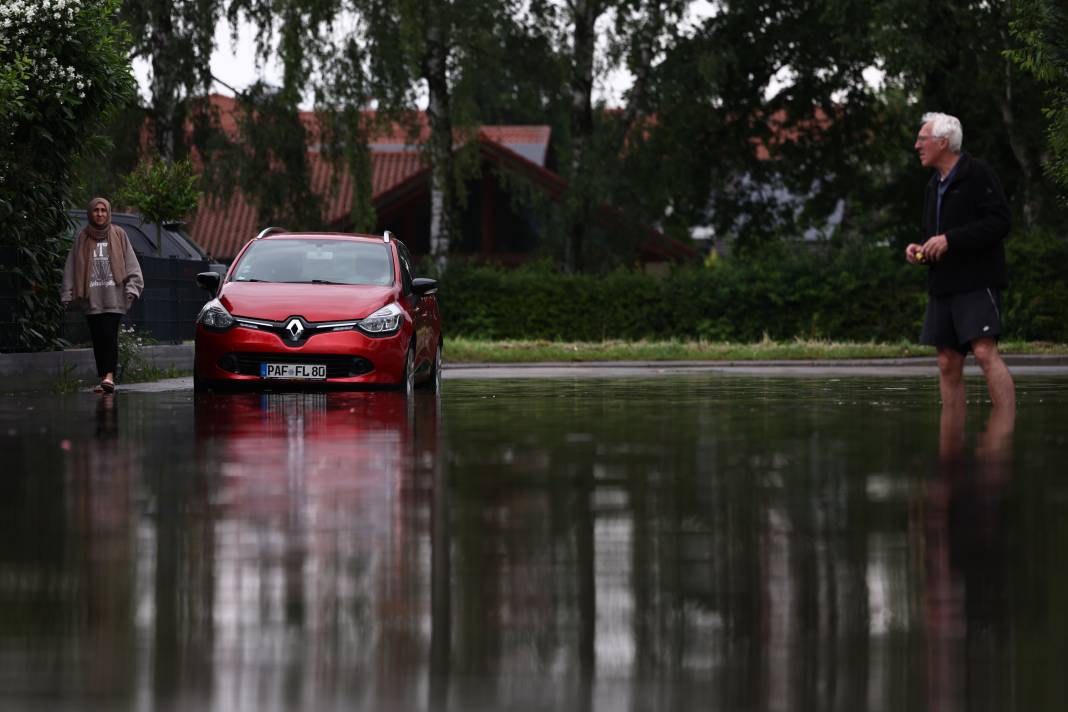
(295, 329)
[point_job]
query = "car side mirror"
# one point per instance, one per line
(209, 281)
(424, 286)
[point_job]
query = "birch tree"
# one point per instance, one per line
(177, 40)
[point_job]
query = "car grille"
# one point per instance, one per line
(337, 365)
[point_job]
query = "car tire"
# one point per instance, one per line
(407, 384)
(433, 381)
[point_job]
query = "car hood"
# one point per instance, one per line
(314, 302)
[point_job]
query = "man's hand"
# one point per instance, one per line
(129, 300)
(935, 248)
(914, 254)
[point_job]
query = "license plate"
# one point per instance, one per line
(293, 371)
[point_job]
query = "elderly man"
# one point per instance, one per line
(965, 221)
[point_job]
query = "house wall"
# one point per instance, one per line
(491, 227)
(409, 220)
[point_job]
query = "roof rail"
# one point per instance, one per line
(386, 236)
(268, 230)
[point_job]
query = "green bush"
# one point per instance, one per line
(63, 68)
(1036, 303)
(827, 292)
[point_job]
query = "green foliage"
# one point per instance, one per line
(784, 292)
(462, 349)
(162, 191)
(1042, 26)
(1036, 304)
(269, 160)
(756, 119)
(66, 381)
(118, 142)
(64, 69)
(176, 40)
(134, 365)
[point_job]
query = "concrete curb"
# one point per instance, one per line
(1010, 359)
(39, 370)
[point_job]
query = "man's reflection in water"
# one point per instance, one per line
(966, 558)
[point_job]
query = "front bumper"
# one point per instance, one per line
(351, 357)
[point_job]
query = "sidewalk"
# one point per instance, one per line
(40, 370)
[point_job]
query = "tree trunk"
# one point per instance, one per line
(584, 38)
(435, 69)
(1029, 199)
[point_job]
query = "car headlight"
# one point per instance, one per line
(384, 321)
(213, 315)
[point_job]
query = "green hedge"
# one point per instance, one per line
(836, 293)
(1036, 303)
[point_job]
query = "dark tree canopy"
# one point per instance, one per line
(757, 121)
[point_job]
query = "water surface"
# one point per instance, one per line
(707, 542)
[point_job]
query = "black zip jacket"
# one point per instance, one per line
(975, 219)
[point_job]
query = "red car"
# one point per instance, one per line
(319, 309)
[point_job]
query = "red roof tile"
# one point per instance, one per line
(222, 230)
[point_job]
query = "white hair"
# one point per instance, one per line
(947, 127)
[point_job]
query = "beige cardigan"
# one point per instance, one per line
(103, 297)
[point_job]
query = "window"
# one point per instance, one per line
(316, 261)
(139, 241)
(406, 266)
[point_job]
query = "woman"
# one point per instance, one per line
(102, 277)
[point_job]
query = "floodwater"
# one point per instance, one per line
(688, 542)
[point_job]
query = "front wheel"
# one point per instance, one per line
(407, 384)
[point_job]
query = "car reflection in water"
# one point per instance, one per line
(272, 447)
(322, 511)
(966, 563)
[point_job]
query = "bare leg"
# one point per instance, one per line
(951, 376)
(998, 379)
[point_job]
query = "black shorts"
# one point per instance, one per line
(955, 320)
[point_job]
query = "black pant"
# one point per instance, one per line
(104, 329)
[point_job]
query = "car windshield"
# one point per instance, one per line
(316, 261)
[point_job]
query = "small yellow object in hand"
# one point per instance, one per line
(918, 255)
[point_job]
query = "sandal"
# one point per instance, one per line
(108, 385)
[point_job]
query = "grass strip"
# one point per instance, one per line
(466, 350)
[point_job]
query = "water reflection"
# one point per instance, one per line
(107, 417)
(320, 541)
(676, 544)
(965, 552)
